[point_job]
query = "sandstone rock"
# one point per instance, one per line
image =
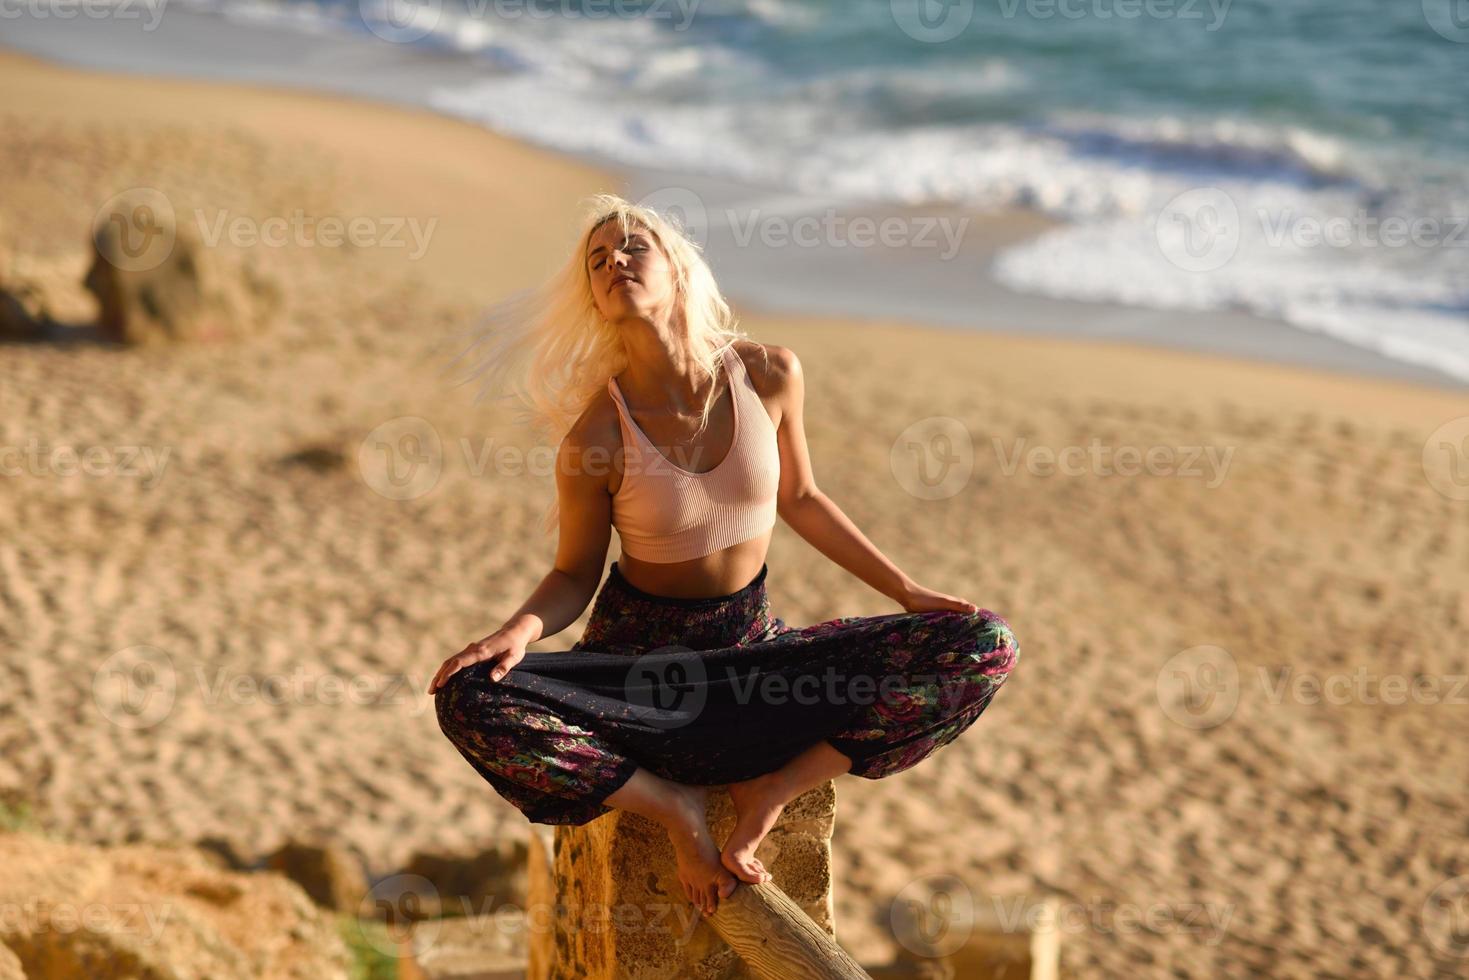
(15, 320)
(473, 947)
(606, 904)
(327, 872)
(155, 282)
(141, 912)
(478, 884)
(224, 853)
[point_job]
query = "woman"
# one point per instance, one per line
(688, 439)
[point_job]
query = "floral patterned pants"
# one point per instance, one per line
(715, 691)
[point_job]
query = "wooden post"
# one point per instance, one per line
(777, 940)
(606, 904)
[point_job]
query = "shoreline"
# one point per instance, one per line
(860, 284)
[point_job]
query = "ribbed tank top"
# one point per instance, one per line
(664, 513)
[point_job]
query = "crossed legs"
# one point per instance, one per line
(707, 872)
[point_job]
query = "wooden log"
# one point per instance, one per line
(777, 940)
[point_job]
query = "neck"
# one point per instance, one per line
(662, 367)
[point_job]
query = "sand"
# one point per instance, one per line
(1288, 523)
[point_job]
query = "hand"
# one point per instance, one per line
(919, 599)
(503, 646)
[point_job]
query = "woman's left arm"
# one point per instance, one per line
(816, 517)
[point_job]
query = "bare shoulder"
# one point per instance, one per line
(772, 368)
(593, 442)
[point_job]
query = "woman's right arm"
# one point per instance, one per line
(585, 532)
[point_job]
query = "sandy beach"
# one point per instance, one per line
(1151, 523)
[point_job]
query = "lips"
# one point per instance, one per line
(619, 281)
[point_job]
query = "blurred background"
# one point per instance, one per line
(1144, 323)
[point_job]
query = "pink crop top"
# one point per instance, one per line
(664, 513)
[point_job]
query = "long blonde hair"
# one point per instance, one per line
(550, 349)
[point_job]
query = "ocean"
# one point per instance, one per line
(1302, 162)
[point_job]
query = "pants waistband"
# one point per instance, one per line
(757, 584)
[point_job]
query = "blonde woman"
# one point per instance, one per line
(686, 436)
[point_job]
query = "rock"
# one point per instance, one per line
(319, 458)
(155, 283)
(143, 912)
(471, 947)
(224, 853)
(606, 903)
(327, 872)
(15, 320)
(474, 885)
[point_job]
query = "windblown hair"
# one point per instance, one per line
(550, 348)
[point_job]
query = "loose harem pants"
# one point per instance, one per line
(715, 691)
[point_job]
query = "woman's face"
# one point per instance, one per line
(630, 276)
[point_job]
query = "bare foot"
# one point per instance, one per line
(758, 803)
(705, 880)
